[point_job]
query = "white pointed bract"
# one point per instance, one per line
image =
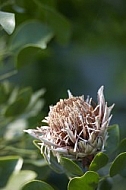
(75, 127)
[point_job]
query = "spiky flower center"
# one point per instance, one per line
(71, 119)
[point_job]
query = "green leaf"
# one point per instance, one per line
(54, 165)
(7, 21)
(99, 161)
(18, 106)
(29, 55)
(15, 109)
(17, 180)
(70, 168)
(4, 92)
(122, 146)
(38, 185)
(37, 163)
(113, 139)
(118, 183)
(88, 181)
(8, 165)
(60, 25)
(119, 165)
(106, 184)
(31, 33)
(25, 94)
(35, 99)
(14, 130)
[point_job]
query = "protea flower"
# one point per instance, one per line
(76, 128)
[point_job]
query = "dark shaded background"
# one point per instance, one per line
(94, 55)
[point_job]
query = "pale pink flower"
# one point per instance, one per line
(76, 128)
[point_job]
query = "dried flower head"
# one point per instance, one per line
(76, 128)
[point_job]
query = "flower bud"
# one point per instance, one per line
(76, 128)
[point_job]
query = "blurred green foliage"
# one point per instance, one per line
(47, 47)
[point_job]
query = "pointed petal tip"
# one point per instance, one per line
(25, 130)
(112, 106)
(69, 94)
(101, 89)
(28, 131)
